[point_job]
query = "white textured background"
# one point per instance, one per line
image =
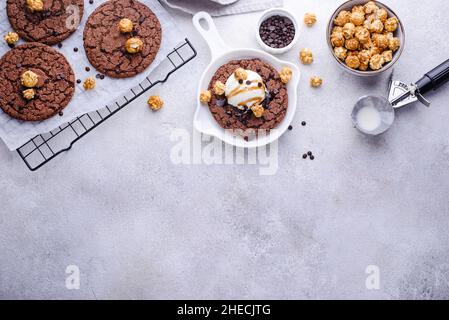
(141, 227)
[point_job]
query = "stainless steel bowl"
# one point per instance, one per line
(400, 33)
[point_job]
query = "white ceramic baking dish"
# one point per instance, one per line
(221, 54)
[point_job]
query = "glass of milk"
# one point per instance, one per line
(373, 115)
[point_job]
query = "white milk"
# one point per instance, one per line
(369, 118)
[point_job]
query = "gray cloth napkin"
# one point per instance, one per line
(222, 7)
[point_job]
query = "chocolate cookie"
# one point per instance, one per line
(55, 87)
(105, 44)
(275, 104)
(56, 22)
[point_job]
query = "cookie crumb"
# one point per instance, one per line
(134, 45)
(306, 56)
(125, 25)
(205, 96)
(155, 103)
(316, 82)
(11, 38)
(310, 19)
(29, 94)
(258, 110)
(29, 79)
(286, 75)
(89, 83)
(219, 88)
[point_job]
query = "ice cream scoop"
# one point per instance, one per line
(246, 93)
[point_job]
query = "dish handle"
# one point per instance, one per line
(206, 27)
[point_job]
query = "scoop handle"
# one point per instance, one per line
(434, 79)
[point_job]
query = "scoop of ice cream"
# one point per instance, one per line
(245, 93)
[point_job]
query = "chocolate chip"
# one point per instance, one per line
(78, 81)
(61, 113)
(303, 123)
(309, 153)
(101, 76)
(304, 156)
(59, 45)
(241, 81)
(75, 49)
(87, 69)
(312, 157)
(248, 83)
(277, 31)
(290, 128)
(260, 84)
(91, 1)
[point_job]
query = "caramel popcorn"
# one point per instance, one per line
(394, 44)
(11, 38)
(316, 82)
(258, 110)
(377, 26)
(29, 94)
(219, 88)
(357, 18)
(362, 34)
(387, 55)
(358, 9)
(381, 42)
(352, 62)
(35, 5)
(89, 83)
(364, 57)
(391, 24)
(371, 7)
(29, 79)
(125, 25)
(306, 56)
(310, 19)
(342, 18)
(286, 75)
(377, 61)
(205, 96)
(241, 74)
(382, 15)
(134, 45)
(364, 37)
(352, 44)
(155, 103)
(349, 30)
(338, 39)
(341, 52)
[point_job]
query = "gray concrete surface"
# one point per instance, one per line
(138, 226)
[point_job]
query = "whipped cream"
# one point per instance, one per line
(247, 93)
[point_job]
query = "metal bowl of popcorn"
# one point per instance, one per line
(366, 38)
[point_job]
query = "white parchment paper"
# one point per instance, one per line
(15, 133)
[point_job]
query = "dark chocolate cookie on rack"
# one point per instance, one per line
(45, 21)
(36, 82)
(122, 38)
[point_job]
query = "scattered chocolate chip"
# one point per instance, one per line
(11, 45)
(303, 123)
(87, 69)
(309, 153)
(260, 84)
(78, 81)
(59, 45)
(290, 128)
(246, 139)
(312, 157)
(101, 76)
(75, 49)
(248, 83)
(97, 76)
(304, 156)
(91, 1)
(277, 31)
(61, 113)
(241, 81)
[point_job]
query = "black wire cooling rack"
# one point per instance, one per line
(45, 147)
